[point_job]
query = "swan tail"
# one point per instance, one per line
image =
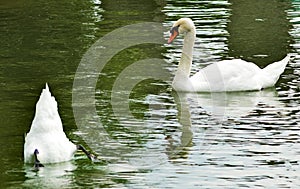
(273, 71)
(46, 113)
(47, 87)
(46, 102)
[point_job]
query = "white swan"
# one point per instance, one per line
(227, 75)
(46, 141)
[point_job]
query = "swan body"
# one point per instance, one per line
(46, 138)
(226, 75)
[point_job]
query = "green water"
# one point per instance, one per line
(172, 145)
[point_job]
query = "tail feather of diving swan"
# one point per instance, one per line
(273, 71)
(46, 133)
(46, 141)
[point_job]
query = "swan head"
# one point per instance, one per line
(181, 26)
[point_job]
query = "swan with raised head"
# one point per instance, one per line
(226, 75)
(46, 141)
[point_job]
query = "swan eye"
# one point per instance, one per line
(174, 29)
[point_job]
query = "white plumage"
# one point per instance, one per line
(227, 75)
(46, 133)
(237, 75)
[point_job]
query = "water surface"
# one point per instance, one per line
(172, 140)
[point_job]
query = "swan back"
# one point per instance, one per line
(237, 75)
(46, 133)
(227, 75)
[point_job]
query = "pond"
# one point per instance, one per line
(123, 108)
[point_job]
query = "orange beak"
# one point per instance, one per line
(174, 33)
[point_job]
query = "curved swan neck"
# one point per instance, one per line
(187, 53)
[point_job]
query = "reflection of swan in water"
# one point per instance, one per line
(213, 108)
(178, 149)
(57, 175)
(233, 104)
(218, 107)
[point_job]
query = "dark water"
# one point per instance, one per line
(167, 140)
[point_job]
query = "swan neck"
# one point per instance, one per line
(187, 53)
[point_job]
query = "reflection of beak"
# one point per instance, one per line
(174, 33)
